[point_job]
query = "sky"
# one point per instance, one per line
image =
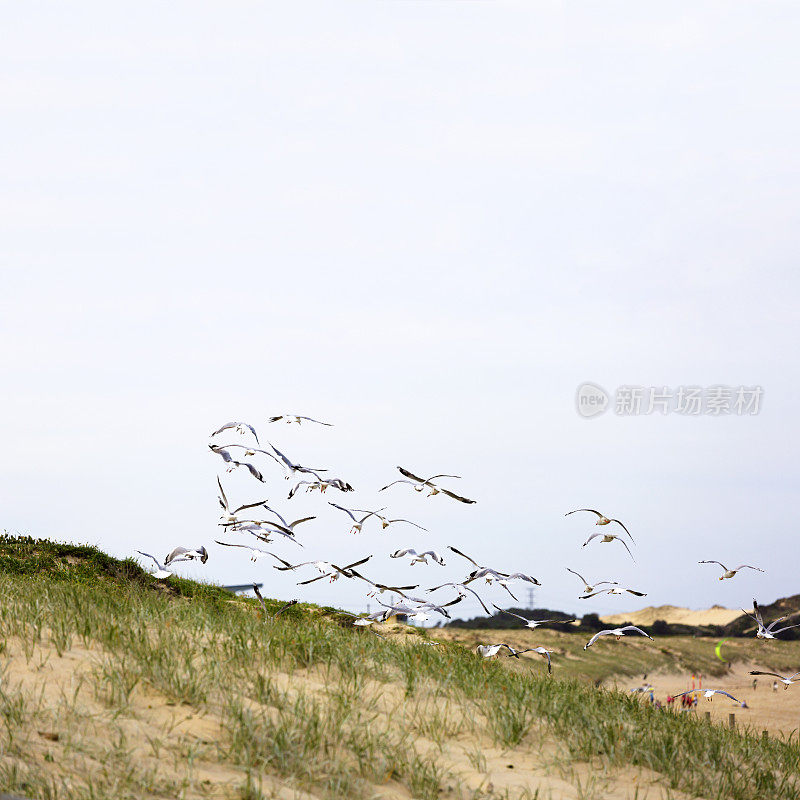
(427, 223)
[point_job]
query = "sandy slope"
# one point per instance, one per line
(716, 615)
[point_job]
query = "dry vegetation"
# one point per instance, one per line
(115, 688)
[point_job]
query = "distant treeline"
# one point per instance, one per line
(741, 626)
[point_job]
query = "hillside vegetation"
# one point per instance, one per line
(118, 686)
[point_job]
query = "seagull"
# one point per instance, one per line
(418, 613)
(489, 650)
(587, 589)
(239, 427)
(369, 619)
(729, 573)
(291, 468)
(385, 523)
(618, 632)
(609, 537)
(288, 526)
(490, 574)
(418, 558)
(256, 527)
(420, 484)
(229, 459)
(542, 651)
(380, 588)
(322, 484)
(709, 693)
(284, 607)
(462, 590)
(228, 515)
(787, 682)
(602, 519)
(357, 523)
(290, 418)
(613, 590)
(161, 570)
(185, 554)
(326, 569)
(255, 552)
(531, 623)
(248, 451)
(766, 632)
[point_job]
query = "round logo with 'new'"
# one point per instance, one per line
(591, 400)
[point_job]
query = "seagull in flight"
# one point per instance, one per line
(369, 619)
(385, 522)
(229, 459)
(729, 573)
(287, 526)
(187, 554)
(609, 537)
(618, 632)
(357, 523)
(290, 418)
(601, 519)
(613, 590)
(531, 623)
(228, 515)
(292, 469)
(587, 589)
(709, 693)
(322, 484)
(420, 484)
(787, 682)
(161, 570)
(380, 588)
(489, 650)
(239, 427)
(418, 558)
(327, 569)
(767, 632)
(490, 574)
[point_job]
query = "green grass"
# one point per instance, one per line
(302, 699)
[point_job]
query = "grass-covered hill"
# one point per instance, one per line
(117, 686)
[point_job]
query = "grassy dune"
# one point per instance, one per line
(115, 686)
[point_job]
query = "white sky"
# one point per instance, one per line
(427, 222)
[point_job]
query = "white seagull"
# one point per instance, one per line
(357, 523)
(613, 590)
(418, 558)
(709, 693)
(239, 427)
(587, 588)
(385, 522)
(161, 570)
(531, 623)
(255, 552)
(729, 573)
(462, 592)
(609, 537)
(489, 650)
(420, 484)
(322, 484)
(787, 682)
(766, 631)
(228, 515)
(187, 554)
(380, 588)
(291, 468)
(602, 519)
(290, 418)
(618, 632)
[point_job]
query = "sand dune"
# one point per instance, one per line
(716, 615)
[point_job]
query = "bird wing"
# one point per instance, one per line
(638, 594)
(714, 562)
(584, 509)
(223, 500)
(457, 496)
(155, 560)
(599, 591)
(783, 629)
(623, 527)
(593, 536)
(719, 691)
(411, 475)
(298, 522)
(442, 475)
(346, 511)
(283, 608)
(357, 563)
(464, 555)
(329, 424)
(599, 633)
(510, 614)
(759, 619)
(638, 630)
(510, 592)
(400, 553)
(585, 582)
(250, 505)
(178, 551)
(409, 522)
(747, 566)
(399, 480)
(620, 539)
(773, 674)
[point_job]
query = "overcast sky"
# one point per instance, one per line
(427, 223)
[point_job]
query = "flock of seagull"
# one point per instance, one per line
(266, 525)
